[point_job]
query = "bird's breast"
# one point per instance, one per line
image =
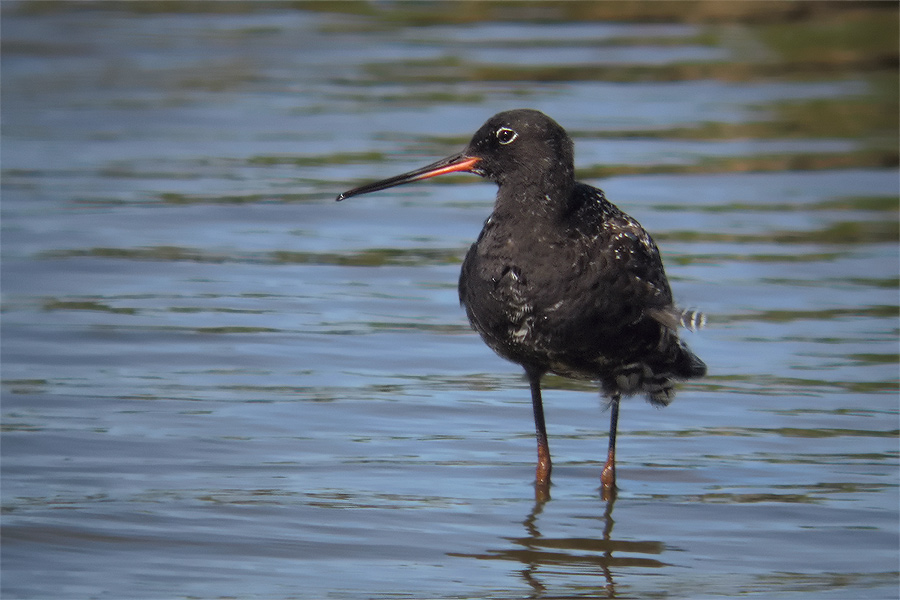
(514, 290)
(534, 294)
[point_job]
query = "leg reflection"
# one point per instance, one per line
(610, 496)
(572, 565)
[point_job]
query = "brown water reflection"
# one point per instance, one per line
(600, 556)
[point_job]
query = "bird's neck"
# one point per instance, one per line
(536, 196)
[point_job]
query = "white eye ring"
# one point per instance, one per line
(505, 135)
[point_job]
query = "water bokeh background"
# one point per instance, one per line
(217, 382)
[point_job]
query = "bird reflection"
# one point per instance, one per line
(544, 557)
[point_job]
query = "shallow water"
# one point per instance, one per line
(217, 382)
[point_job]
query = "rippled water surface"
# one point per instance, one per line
(218, 382)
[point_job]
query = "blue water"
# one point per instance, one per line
(218, 382)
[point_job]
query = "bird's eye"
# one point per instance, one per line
(506, 135)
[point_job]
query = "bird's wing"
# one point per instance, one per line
(639, 260)
(626, 266)
(635, 263)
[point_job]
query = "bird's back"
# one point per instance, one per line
(582, 294)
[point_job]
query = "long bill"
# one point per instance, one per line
(451, 164)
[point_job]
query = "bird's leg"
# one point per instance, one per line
(543, 448)
(608, 476)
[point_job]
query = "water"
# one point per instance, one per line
(217, 382)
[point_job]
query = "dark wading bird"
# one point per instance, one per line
(562, 281)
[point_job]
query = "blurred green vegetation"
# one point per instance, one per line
(370, 257)
(847, 232)
(777, 40)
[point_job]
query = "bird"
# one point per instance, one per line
(562, 281)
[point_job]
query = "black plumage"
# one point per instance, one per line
(560, 280)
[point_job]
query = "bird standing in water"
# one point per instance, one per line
(560, 280)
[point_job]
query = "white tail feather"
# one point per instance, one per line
(673, 318)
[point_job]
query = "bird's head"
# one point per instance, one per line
(524, 146)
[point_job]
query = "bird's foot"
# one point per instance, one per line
(542, 473)
(544, 466)
(608, 478)
(541, 491)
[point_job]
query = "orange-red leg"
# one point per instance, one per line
(544, 466)
(608, 476)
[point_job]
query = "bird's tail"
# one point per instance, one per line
(675, 318)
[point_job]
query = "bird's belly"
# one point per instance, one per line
(570, 332)
(590, 349)
(524, 326)
(526, 338)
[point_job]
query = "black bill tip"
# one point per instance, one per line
(452, 164)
